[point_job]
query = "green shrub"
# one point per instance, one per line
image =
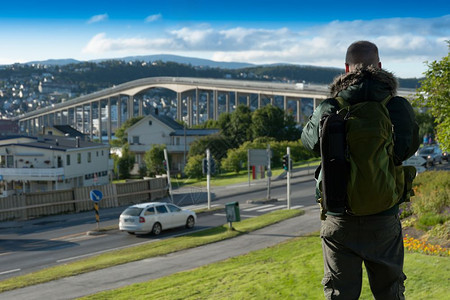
(430, 219)
(441, 231)
(432, 191)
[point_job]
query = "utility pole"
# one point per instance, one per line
(269, 170)
(166, 158)
(208, 177)
(288, 178)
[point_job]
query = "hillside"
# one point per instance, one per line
(25, 87)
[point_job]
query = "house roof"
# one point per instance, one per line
(57, 143)
(194, 132)
(167, 121)
(67, 129)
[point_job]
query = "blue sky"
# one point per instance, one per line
(408, 33)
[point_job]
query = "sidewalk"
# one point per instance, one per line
(152, 268)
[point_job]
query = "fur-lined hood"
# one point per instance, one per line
(364, 84)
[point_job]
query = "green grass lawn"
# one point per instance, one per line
(290, 270)
(233, 178)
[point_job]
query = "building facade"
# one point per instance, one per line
(155, 129)
(46, 163)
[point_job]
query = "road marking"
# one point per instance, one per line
(194, 207)
(10, 271)
(245, 216)
(127, 246)
(272, 208)
(258, 207)
(5, 253)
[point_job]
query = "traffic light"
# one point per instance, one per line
(286, 162)
(212, 166)
(165, 164)
(204, 166)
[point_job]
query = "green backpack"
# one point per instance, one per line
(374, 183)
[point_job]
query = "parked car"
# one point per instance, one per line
(432, 154)
(445, 156)
(154, 217)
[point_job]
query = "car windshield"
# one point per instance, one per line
(132, 211)
(427, 151)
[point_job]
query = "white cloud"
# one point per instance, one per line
(98, 18)
(401, 42)
(153, 18)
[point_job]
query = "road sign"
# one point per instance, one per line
(257, 157)
(96, 195)
(415, 161)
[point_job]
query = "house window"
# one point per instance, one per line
(89, 157)
(97, 153)
(68, 160)
(79, 158)
(177, 141)
(135, 139)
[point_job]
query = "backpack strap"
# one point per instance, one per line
(342, 102)
(386, 100)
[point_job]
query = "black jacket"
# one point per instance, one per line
(369, 84)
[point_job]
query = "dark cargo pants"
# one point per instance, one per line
(348, 241)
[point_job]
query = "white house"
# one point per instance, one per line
(45, 163)
(156, 129)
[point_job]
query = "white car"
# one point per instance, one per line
(154, 217)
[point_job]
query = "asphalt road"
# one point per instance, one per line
(32, 245)
(152, 268)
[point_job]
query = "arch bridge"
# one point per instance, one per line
(193, 100)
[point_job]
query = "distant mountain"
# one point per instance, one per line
(55, 62)
(196, 62)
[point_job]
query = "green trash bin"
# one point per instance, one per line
(232, 212)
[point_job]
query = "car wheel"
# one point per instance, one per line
(131, 232)
(190, 222)
(156, 228)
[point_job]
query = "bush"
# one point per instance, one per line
(432, 191)
(235, 161)
(430, 219)
(194, 166)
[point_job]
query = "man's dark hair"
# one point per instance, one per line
(362, 53)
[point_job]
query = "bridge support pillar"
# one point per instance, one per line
(91, 121)
(197, 108)
(216, 104)
(227, 102)
(109, 119)
(259, 100)
(299, 110)
(208, 106)
(190, 111)
(119, 111)
(140, 103)
(179, 107)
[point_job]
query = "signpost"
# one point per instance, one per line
(417, 161)
(96, 196)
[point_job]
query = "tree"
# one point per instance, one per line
(194, 166)
(240, 125)
(236, 159)
(268, 121)
(434, 93)
(153, 159)
(125, 163)
(121, 131)
(217, 144)
(427, 125)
